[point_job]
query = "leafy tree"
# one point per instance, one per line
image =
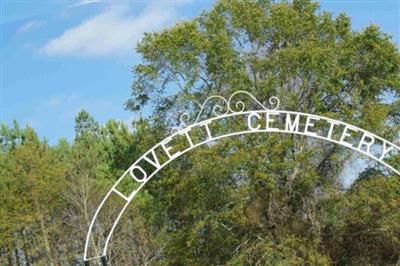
(273, 193)
(32, 181)
(365, 229)
(264, 199)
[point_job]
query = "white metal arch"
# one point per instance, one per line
(262, 120)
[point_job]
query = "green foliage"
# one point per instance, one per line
(32, 181)
(288, 251)
(268, 200)
(366, 230)
(250, 200)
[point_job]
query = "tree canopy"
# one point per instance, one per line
(265, 199)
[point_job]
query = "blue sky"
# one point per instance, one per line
(59, 57)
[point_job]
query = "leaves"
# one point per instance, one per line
(262, 199)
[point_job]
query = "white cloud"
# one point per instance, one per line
(112, 31)
(85, 2)
(31, 25)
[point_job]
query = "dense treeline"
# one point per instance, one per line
(252, 200)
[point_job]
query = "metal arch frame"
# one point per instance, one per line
(230, 106)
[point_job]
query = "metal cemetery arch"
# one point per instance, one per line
(261, 120)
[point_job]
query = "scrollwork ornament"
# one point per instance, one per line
(217, 110)
(231, 106)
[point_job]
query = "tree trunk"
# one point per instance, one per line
(45, 236)
(16, 257)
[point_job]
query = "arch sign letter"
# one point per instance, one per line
(253, 117)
